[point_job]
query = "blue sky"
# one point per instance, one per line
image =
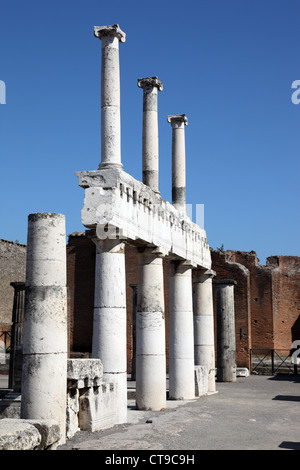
(228, 65)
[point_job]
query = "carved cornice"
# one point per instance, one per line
(111, 30)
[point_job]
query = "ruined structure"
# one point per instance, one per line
(119, 209)
(132, 232)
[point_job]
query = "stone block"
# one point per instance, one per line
(98, 408)
(201, 381)
(84, 372)
(22, 434)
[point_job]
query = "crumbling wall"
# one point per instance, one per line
(285, 271)
(227, 267)
(12, 269)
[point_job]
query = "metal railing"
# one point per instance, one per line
(271, 361)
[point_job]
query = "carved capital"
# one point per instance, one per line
(150, 82)
(112, 30)
(177, 118)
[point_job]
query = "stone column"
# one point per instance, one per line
(150, 150)
(181, 336)
(110, 95)
(44, 374)
(109, 328)
(226, 347)
(150, 333)
(178, 122)
(204, 341)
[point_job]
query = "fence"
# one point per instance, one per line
(271, 361)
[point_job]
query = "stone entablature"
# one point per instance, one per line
(135, 212)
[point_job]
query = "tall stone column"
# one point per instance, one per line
(204, 341)
(110, 95)
(109, 328)
(150, 149)
(44, 374)
(150, 333)
(226, 345)
(178, 123)
(181, 342)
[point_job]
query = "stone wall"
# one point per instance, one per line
(12, 269)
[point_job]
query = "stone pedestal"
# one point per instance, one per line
(181, 342)
(150, 334)
(110, 95)
(109, 328)
(226, 345)
(204, 343)
(44, 374)
(150, 150)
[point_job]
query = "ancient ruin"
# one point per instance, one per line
(62, 395)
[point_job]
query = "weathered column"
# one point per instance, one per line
(110, 95)
(150, 150)
(204, 341)
(109, 327)
(226, 347)
(178, 122)
(181, 342)
(44, 374)
(150, 334)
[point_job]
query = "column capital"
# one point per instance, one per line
(111, 30)
(201, 275)
(177, 118)
(150, 82)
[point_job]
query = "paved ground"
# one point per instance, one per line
(255, 413)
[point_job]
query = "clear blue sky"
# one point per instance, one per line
(228, 65)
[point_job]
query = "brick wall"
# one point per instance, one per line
(227, 267)
(267, 298)
(286, 299)
(12, 269)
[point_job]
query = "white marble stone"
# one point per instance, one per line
(181, 342)
(150, 147)
(204, 341)
(150, 334)
(44, 372)
(110, 94)
(109, 327)
(178, 123)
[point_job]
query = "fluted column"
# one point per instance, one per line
(150, 150)
(178, 123)
(150, 333)
(110, 95)
(181, 342)
(109, 328)
(204, 341)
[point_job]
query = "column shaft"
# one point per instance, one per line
(110, 95)
(44, 373)
(150, 148)
(204, 342)
(109, 329)
(181, 342)
(178, 122)
(226, 345)
(150, 334)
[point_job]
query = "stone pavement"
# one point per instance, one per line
(254, 413)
